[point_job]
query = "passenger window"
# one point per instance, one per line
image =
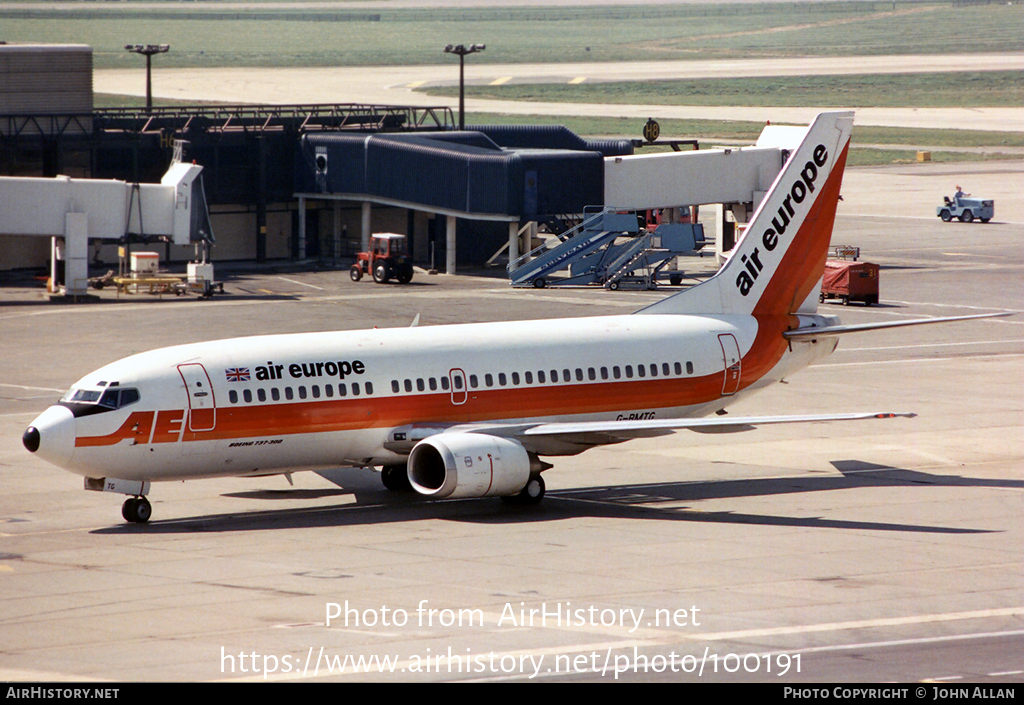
(408, 385)
(640, 370)
(420, 385)
(458, 382)
(316, 391)
(529, 377)
(616, 372)
(554, 375)
(302, 392)
(604, 373)
(275, 394)
(355, 389)
(329, 390)
(247, 395)
(489, 380)
(233, 396)
(473, 383)
(261, 394)
(433, 384)
(689, 368)
(540, 376)
(288, 394)
(566, 376)
(579, 374)
(591, 373)
(678, 368)
(502, 379)
(444, 383)
(342, 390)
(629, 372)
(368, 388)
(654, 369)
(394, 386)
(515, 378)
(664, 369)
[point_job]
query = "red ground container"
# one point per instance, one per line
(850, 281)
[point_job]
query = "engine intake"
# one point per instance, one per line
(456, 465)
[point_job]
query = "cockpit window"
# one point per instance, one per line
(86, 396)
(117, 398)
(112, 398)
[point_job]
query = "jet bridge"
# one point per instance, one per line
(733, 178)
(73, 211)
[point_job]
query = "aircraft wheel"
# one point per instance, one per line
(966, 217)
(395, 478)
(136, 510)
(356, 272)
(533, 493)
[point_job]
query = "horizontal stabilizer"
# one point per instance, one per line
(832, 331)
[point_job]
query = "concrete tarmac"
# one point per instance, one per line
(883, 550)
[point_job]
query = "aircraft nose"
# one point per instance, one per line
(52, 435)
(31, 439)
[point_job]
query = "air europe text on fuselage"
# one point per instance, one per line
(297, 370)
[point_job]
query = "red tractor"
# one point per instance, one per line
(388, 257)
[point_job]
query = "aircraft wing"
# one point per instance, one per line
(569, 438)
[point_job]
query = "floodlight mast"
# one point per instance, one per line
(461, 50)
(148, 50)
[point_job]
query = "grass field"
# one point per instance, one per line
(304, 36)
(308, 37)
(928, 90)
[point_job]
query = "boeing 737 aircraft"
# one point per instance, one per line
(470, 410)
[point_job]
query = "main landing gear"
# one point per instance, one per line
(533, 493)
(137, 510)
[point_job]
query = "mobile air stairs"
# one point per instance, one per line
(594, 254)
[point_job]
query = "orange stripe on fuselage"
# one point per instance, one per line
(262, 420)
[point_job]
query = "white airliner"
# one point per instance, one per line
(469, 410)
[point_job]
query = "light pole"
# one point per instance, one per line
(461, 50)
(148, 50)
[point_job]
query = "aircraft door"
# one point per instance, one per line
(733, 363)
(202, 415)
(460, 393)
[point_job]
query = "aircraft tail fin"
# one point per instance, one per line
(776, 267)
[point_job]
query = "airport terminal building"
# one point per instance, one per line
(301, 182)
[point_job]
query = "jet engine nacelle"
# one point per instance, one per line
(468, 465)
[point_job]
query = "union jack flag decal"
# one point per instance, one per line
(237, 374)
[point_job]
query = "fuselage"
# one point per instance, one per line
(267, 404)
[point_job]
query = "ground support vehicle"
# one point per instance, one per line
(388, 257)
(850, 281)
(966, 209)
